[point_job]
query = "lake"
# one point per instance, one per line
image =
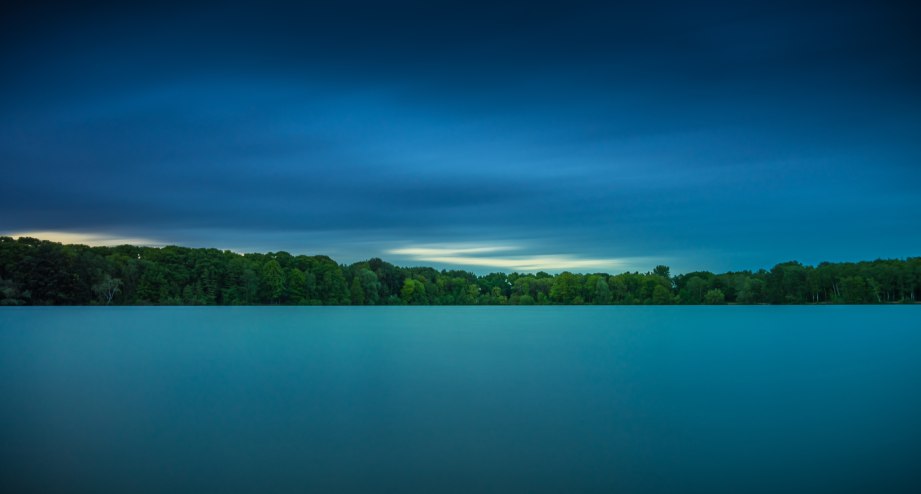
(461, 399)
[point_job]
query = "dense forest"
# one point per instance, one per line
(38, 272)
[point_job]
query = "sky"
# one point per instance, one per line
(493, 136)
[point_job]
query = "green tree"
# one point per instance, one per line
(752, 291)
(714, 297)
(661, 295)
(358, 294)
(297, 286)
(787, 283)
(10, 294)
(413, 292)
(331, 286)
(856, 290)
(696, 288)
(107, 288)
(663, 271)
(597, 290)
(273, 281)
(525, 300)
(567, 289)
(370, 286)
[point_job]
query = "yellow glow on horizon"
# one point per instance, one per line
(91, 239)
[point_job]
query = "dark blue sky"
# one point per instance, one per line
(580, 136)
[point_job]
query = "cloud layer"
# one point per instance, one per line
(723, 137)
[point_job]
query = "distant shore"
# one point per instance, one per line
(39, 272)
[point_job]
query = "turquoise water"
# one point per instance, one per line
(439, 399)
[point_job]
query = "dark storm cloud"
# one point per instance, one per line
(709, 134)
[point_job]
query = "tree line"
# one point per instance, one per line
(39, 272)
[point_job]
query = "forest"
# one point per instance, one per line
(39, 272)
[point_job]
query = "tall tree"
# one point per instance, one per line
(273, 281)
(107, 288)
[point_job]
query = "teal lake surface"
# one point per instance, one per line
(461, 399)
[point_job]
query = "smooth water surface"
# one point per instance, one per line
(443, 399)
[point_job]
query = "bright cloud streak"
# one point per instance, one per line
(468, 256)
(449, 251)
(536, 263)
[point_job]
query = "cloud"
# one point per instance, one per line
(690, 133)
(421, 252)
(467, 255)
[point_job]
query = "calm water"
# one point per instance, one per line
(546, 399)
